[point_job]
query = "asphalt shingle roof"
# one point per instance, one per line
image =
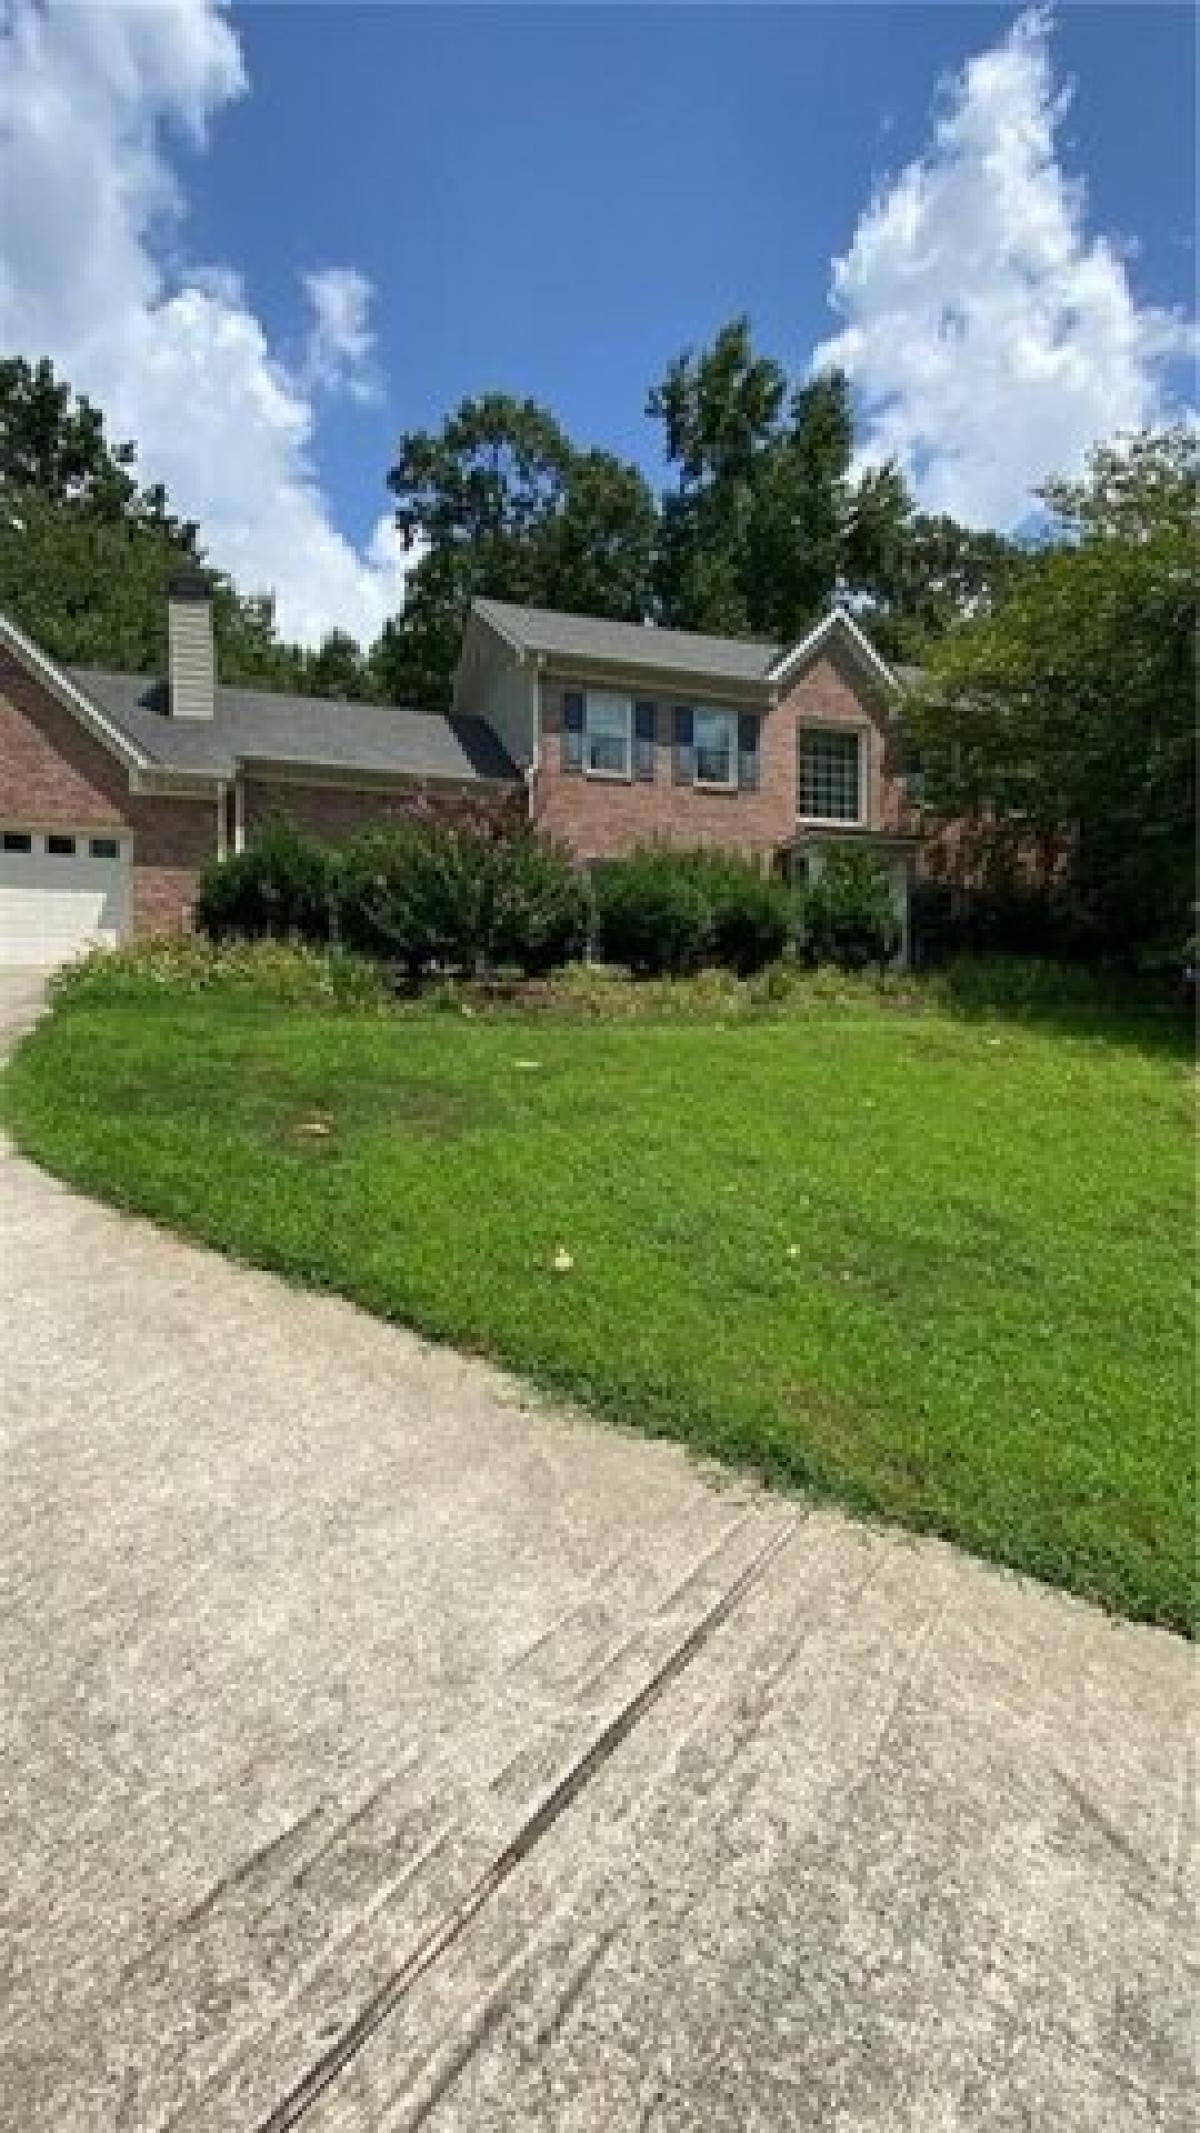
(541, 629)
(309, 732)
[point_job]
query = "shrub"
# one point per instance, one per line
(846, 915)
(280, 887)
(749, 914)
(430, 896)
(540, 910)
(418, 894)
(652, 913)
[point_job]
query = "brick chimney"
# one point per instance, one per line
(192, 665)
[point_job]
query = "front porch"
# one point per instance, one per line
(802, 858)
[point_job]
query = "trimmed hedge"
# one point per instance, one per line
(428, 896)
(281, 887)
(424, 896)
(665, 913)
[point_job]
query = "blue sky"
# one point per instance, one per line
(554, 200)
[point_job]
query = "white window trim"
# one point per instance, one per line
(861, 733)
(609, 696)
(729, 784)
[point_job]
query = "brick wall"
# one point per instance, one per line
(337, 811)
(52, 772)
(55, 774)
(600, 818)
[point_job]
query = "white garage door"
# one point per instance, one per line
(60, 892)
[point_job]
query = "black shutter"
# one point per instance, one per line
(685, 753)
(645, 741)
(572, 730)
(748, 726)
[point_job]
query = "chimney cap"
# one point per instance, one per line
(189, 582)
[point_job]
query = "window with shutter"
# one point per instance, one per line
(607, 734)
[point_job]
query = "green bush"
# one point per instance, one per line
(749, 913)
(429, 896)
(279, 888)
(418, 895)
(281, 971)
(846, 915)
(540, 908)
(665, 913)
(652, 913)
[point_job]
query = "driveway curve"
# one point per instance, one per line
(382, 1748)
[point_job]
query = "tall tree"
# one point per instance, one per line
(766, 522)
(721, 414)
(1063, 720)
(86, 551)
(501, 504)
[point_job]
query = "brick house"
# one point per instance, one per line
(115, 789)
(627, 734)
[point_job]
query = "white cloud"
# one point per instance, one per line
(991, 339)
(339, 356)
(90, 216)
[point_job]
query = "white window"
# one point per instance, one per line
(715, 739)
(607, 735)
(831, 766)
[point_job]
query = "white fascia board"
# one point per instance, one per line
(836, 621)
(71, 696)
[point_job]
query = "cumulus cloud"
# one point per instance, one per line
(90, 225)
(990, 338)
(341, 342)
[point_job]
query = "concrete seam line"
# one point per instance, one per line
(325, 2070)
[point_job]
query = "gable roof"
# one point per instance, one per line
(546, 631)
(295, 732)
(634, 644)
(66, 691)
(837, 623)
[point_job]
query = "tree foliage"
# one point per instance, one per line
(1062, 722)
(86, 552)
(503, 505)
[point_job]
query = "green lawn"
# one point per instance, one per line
(936, 1268)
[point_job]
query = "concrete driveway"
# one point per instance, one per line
(380, 1749)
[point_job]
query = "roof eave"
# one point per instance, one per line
(838, 621)
(288, 771)
(683, 681)
(72, 697)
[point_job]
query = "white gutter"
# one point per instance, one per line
(222, 790)
(531, 774)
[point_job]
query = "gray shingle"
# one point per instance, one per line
(305, 732)
(540, 629)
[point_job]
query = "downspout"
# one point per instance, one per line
(222, 796)
(531, 769)
(239, 816)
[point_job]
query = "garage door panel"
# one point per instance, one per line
(61, 892)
